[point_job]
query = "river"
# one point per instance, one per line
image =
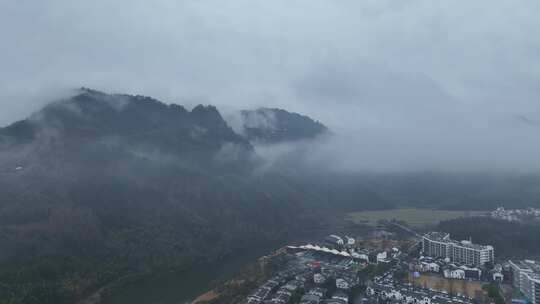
(182, 287)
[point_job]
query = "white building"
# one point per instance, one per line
(437, 244)
(342, 283)
(382, 257)
(350, 241)
(429, 267)
(360, 256)
(498, 277)
(526, 277)
(319, 278)
(454, 273)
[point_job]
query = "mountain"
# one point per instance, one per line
(141, 123)
(276, 125)
(100, 186)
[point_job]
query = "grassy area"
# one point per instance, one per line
(414, 217)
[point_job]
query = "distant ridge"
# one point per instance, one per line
(271, 125)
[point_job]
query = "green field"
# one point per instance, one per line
(413, 217)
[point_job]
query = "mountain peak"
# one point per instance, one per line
(273, 125)
(207, 111)
(135, 120)
(208, 115)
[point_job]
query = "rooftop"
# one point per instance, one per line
(437, 236)
(445, 237)
(468, 244)
(527, 265)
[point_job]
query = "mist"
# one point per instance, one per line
(404, 86)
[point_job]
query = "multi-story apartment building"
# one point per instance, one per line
(438, 244)
(526, 278)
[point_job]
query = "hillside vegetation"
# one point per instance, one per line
(101, 186)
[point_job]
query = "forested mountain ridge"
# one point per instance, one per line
(270, 125)
(99, 186)
(135, 121)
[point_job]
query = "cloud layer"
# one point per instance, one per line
(405, 85)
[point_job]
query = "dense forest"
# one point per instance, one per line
(510, 239)
(99, 187)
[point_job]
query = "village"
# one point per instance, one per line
(397, 267)
(528, 214)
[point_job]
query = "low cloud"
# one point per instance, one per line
(414, 85)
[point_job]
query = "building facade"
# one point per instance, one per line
(437, 244)
(440, 245)
(526, 278)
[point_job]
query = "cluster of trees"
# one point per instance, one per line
(510, 239)
(97, 231)
(493, 293)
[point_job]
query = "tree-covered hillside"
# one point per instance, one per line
(101, 186)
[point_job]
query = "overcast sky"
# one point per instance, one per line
(419, 83)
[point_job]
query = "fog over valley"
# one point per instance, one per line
(388, 79)
(152, 152)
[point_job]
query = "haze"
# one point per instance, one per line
(404, 85)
